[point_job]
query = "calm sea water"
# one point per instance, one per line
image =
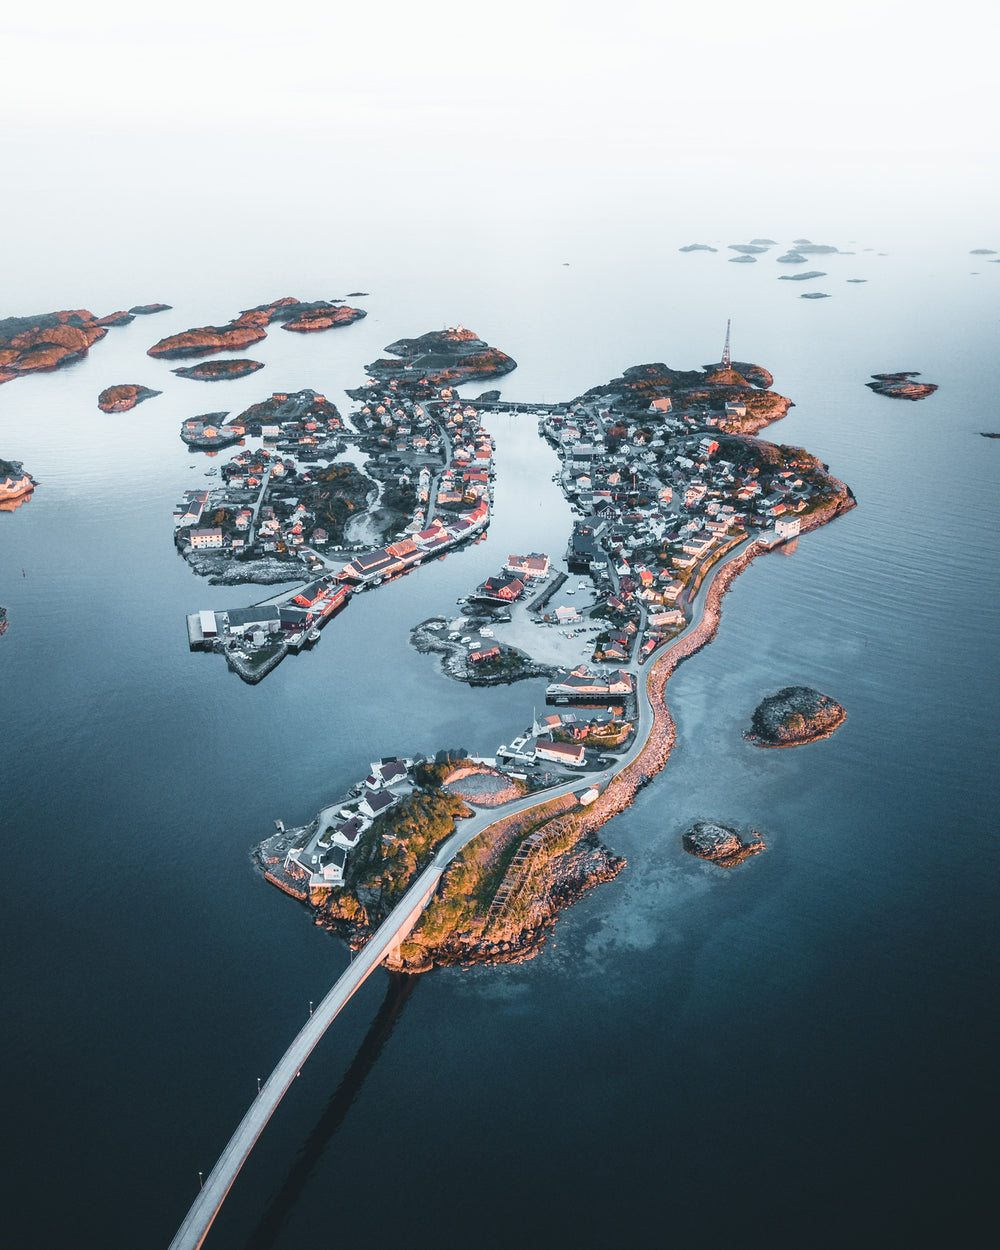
(801, 1051)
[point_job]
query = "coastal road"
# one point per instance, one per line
(194, 1229)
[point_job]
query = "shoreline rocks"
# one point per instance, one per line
(720, 844)
(794, 716)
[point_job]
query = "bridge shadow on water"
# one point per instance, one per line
(397, 993)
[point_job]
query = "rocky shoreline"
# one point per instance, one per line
(268, 571)
(512, 665)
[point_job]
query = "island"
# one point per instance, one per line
(697, 247)
(748, 248)
(721, 844)
(124, 397)
(251, 326)
(675, 500)
(219, 370)
(899, 386)
(801, 277)
(814, 295)
(441, 358)
(146, 310)
(301, 505)
(46, 341)
(793, 716)
(15, 485)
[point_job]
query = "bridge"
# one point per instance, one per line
(384, 944)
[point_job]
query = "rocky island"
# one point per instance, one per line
(899, 386)
(720, 844)
(15, 484)
(442, 357)
(793, 716)
(219, 370)
(676, 498)
(251, 326)
(124, 397)
(46, 341)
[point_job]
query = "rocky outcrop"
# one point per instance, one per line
(124, 397)
(744, 260)
(46, 341)
(814, 249)
(441, 357)
(251, 326)
(791, 258)
(223, 570)
(308, 317)
(744, 384)
(219, 370)
(697, 247)
(721, 844)
(326, 319)
(801, 277)
(793, 716)
(115, 319)
(245, 330)
(146, 310)
(899, 386)
(983, 251)
(814, 295)
(14, 482)
(748, 249)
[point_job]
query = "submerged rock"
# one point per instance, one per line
(720, 843)
(795, 715)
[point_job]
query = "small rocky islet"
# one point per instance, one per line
(720, 844)
(441, 358)
(219, 370)
(251, 326)
(793, 716)
(124, 397)
(899, 386)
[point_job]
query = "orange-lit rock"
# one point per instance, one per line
(46, 341)
(116, 319)
(245, 330)
(219, 370)
(122, 398)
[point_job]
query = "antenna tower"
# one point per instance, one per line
(726, 358)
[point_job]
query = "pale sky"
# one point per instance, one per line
(134, 121)
(859, 74)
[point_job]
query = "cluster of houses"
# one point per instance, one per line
(321, 860)
(583, 685)
(510, 583)
(373, 567)
(294, 621)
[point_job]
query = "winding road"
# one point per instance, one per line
(394, 929)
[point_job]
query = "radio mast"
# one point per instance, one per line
(726, 359)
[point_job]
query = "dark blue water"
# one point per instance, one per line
(797, 1052)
